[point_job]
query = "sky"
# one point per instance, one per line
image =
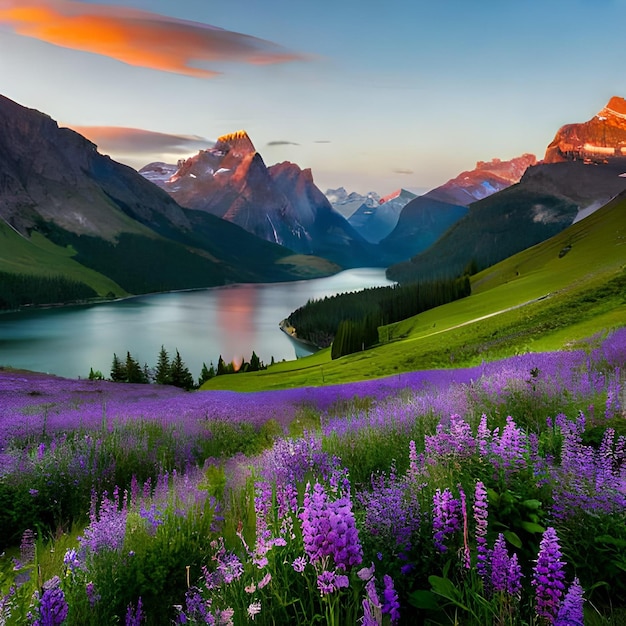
(372, 96)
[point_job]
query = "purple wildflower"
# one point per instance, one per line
(329, 529)
(548, 576)
(53, 607)
(92, 595)
(571, 611)
(372, 609)
(329, 582)
(135, 616)
(499, 565)
(254, 609)
(480, 516)
(445, 517)
(299, 564)
(391, 605)
(514, 578)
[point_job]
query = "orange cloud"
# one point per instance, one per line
(122, 140)
(138, 37)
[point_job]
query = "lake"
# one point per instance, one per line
(230, 321)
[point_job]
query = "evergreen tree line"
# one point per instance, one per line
(172, 371)
(17, 290)
(350, 320)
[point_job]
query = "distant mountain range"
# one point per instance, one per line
(66, 209)
(223, 216)
(347, 203)
(426, 218)
(279, 203)
(376, 222)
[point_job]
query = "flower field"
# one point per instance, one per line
(488, 495)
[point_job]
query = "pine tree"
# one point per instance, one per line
(134, 373)
(206, 374)
(180, 374)
(221, 367)
(255, 363)
(162, 374)
(118, 370)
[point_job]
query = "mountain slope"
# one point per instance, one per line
(55, 183)
(426, 218)
(547, 199)
(279, 204)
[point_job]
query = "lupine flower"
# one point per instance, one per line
(445, 517)
(135, 616)
(254, 609)
(391, 605)
(548, 576)
(467, 563)
(571, 611)
(499, 565)
(329, 582)
(265, 580)
(299, 564)
(372, 609)
(514, 578)
(329, 529)
(53, 607)
(480, 516)
(92, 595)
(71, 560)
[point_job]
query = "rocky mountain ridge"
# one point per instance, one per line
(595, 141)
(280, 203)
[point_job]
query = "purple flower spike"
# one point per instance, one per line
(329, 528)
(391, 605)
(548, 576)
(571, 611)
(480, 516)
(53, 607)
(446, 520)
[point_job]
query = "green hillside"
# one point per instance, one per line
(548, 297)
(40, 257)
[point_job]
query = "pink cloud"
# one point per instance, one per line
(137, 37)
(122, 140)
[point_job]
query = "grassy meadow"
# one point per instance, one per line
(471, 469)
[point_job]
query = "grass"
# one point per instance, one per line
(545, 298)
(38, 255)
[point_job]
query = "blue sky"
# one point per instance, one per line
(369, 95)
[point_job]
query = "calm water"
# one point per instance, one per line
(231, 321)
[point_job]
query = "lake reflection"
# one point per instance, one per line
(229, 321)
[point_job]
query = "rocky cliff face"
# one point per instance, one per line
(280, 203)
(56, 175)
(486, 178)
(596, 141)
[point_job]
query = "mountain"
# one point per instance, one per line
(601, 138)
(548, 198)
(347, 203)
(67, 210)
(279, 203)
(426, 218)
(374, 223)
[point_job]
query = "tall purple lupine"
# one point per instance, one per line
(390, 604)
(53, 607)
(548, 577)
(329, 529)
(446, 519)
(571, 611)
(481, 518)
